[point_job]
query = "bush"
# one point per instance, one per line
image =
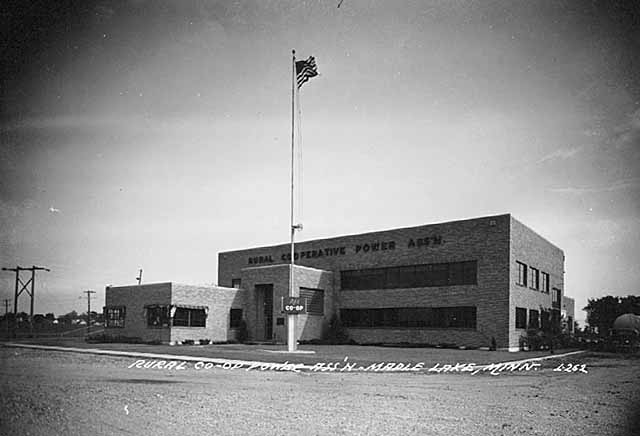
(107, 339)
(336, 333)
(243, 333)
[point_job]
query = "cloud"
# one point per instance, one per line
(561, 154)
(628, 134)
(618, 185)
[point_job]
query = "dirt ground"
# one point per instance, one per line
(55, 393)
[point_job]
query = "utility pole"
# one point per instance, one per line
(24, 287)
(89, 309)
(139, 278)
(6, 315)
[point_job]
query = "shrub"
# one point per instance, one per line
(242, 334)
(336, 333)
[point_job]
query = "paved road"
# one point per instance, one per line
(51, 393)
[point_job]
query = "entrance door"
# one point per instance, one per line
(265, 296)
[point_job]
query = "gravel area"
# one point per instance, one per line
(56, 393)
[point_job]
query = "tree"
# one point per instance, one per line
(602, 312)
(68, 317)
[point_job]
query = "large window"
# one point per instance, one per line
(522, 274)
(114, 316)
(534, 278)
(157, 316)
(235, 316)
(401, 317)
(545, 282)
(412, 276)
(534, 319)
(521, 318)
(314, 300)
(189, 316)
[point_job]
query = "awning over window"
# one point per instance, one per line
(189, 306)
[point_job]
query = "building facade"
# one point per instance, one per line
(469, 283)
(466, 283)
(173, 313)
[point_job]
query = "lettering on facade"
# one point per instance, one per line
(425, 242)
(369, 247)
(375, 246)
(313, 254)
(256, 260)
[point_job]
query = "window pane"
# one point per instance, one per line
(235, 318)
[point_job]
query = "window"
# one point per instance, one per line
(157, 316)
(189, 316)
(521, 318)
(522, 274)
(545, 282)
(534, 319)
(556, 296)
(114, 316)
(314, 300)
(235, 283)
(420, 317)
(534, 278)
(411, 276)
(235, 317)
(545, 320)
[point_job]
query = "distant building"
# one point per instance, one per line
(568, 314)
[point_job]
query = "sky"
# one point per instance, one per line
(155, 134)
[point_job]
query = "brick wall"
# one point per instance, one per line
(219, 301)
(485, 240)
(307, 326)
(533, 250)
(134, 299)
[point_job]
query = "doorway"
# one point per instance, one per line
(264, 300)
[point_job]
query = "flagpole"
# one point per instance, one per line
(291, 318)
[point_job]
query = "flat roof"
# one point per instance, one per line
(372, 232)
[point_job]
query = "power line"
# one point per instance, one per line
(24, 286)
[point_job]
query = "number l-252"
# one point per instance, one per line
(572, 367)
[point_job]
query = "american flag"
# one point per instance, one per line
(305, 70)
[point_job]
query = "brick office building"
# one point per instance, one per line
(461, 282)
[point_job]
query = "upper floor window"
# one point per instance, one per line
(545, 282)
(534, 278)
(556, 296)
(522, 274)
(411, 276)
